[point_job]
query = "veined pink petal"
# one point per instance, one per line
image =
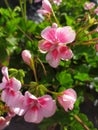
(46, 8)
(18, 105)
(15, 84)
(67, 99)
(53, 58)
(46, 5)
(33, 115)
(3, 84)
(71, 93)
(5, 72)
(42, 11)
(44, 46)
(48, 105)
(10, 97)
(29, 99)
(49, 34)
(7, 96)
(65, 53)
(65, 34)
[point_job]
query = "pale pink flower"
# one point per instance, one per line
(46, 8)
(10, 87)
(67, 99)
(89, 5)
(26, 56)
(54, 43)
(38, 108)
(58, 2)
(4, 121)
(96, 11)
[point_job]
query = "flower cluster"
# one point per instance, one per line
(59, 44)
(90, 6)
(33, 108)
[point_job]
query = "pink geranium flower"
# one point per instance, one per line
(96, 11)
(10, 87)
(89, 5)
(37, 108)
(54, 43)
(4, 121)
(67, 99)
(46, 8)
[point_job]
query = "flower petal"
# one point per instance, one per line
(3, 84)
(33, 115)
(42, 11)
(65, 53)
(46, 5)
(53, 58)
(17, 105)
(5, 72)
(49, 34)
(10, 97)
(48, 105)
(44, 46)
(15, 84)
(65, 34)
(4, 122)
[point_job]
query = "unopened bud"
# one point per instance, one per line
(26, 56)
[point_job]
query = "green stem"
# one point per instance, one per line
(84, 28)
(7, 4)
(56, 20)
(54, 93)
(94, 39)
(45, 73)
(32, 65)
(25, 10)
(21, 6)
(25, 33)
(81, 122)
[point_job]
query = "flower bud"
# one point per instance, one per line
(26, 56)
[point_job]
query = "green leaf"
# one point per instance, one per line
(82, 76)
(65, 79)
